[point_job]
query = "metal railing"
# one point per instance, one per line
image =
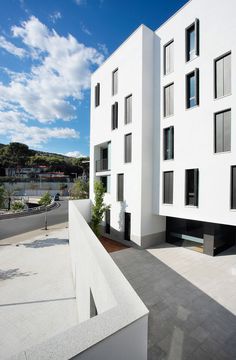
(102, 165)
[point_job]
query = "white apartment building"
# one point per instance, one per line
(163, 131)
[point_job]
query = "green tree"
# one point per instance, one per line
(14, 154)
(17, 205)
(2, 196)
(38, 160)
(8, 193)
(80, 190)
(99, 207)
(45, 199)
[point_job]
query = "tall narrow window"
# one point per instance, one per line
(192, 89)
(120, 187)
(169, 58)
(108, 221)
(128, 109)
(223, 131)
(127, 227)
(233, 187)
(192, 41)
(169, 143)
(128, 148)
(168, 187)
(115, 82)
(105, 180)
(191, 184)
(97, 95)
(169, 100)
(114, 116)
(223, 76)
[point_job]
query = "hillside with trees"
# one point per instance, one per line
(19, 155)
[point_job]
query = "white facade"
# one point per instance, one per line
(140, 63)
(194, 128)
(134, 60)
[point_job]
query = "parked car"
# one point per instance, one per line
(56, 197)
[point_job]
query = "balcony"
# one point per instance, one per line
(102, 165)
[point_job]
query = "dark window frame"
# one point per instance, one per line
(215, 135)
(126, 158)
(215, 74)
(170, 128)
(232, 188)
(164, 100)
(97, 95)
(196, 26)
(187, 88)
(114, 116)
(113, 82)
(125, 117)
(195, 193)
(170, 199)
(120, 190)
(164, 57)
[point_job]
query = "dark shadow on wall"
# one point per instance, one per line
(46, 243)
(13, 273)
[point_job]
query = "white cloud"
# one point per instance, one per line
(59, 76)
(103, 48)
(81, 2)
(85, 30)
(11, 48)
(15, 126)
(75, 154)
(55, 16)
(64, 71)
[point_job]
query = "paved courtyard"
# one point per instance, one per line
(189, 296)
(37, 298)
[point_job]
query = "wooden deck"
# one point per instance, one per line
(112, 245)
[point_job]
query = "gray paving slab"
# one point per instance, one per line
(184, 321)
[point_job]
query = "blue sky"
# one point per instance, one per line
(48, 50)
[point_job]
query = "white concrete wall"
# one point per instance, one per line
(117, 304)
(120, 330)
(194, 130)
(134, 59)
(128, 59)
(150, 224)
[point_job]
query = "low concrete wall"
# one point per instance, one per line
(32, 211)
(113, 321)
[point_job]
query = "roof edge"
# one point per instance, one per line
(170, 18)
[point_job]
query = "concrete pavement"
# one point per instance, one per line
(188, 301)
(37, 298)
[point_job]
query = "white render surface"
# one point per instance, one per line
(37, 298)
(134, 60)
(122, 318)
(215, 276)
(194, 128)
(140, 72)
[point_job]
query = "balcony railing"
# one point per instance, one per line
(102, 165)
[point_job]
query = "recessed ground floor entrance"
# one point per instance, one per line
(208, 238)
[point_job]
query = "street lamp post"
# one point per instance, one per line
(46, 219)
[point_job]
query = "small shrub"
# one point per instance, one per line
(80, 190)
(17, 206)
(45, 199)
(99, 207)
